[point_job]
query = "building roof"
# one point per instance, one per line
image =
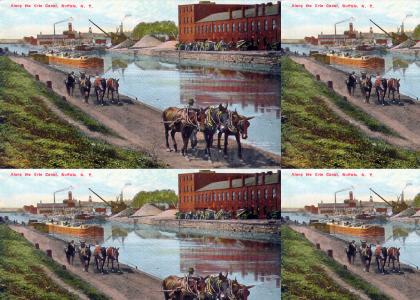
(270, 10)
(236, 183)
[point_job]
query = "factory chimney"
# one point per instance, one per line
(70, 27)
(351, 28)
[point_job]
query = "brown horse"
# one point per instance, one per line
(112, 254)
(99, 86)
(394, 255)
(237, 126)
(239, 291)
(394, 86)
(113, 85)
(187, 121)
(182, 288)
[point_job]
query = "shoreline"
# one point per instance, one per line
(251, 61)
(253, 230)
(139, 283)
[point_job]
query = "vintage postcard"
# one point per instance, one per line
(350, 234)
(350, 84)
(139, 84)
(140, 234)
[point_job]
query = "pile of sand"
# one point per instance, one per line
(147, 41)
(167, 214)
(405, 213)
(126, 44)
(167, 45)
(125, 213)
(147, 210)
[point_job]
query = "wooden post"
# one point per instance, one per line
(318, 246)
(22, 66)
(303, 66)
(318, 77)
(330, 84)
(330, 252)
(63, 267)
(37, 77)
(36, 246)
(64, 98)
(303, 234)
(49, 253)
(22, 234)
(49, 84)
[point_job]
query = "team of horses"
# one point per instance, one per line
(100, 85)
(382, 256)
(100, 256)
(209, 121)
(381, 87)
(211, 287)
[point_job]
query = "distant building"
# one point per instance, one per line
(259, 192)
(350, 205)
(208, 21)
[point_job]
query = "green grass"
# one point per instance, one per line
(302, 276)
(315, 137)
(34, 137)
(21, 275)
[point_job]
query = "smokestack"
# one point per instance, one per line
(230, 14)
(70, 196)
(70, 27)
(351, 196)
(351, 27)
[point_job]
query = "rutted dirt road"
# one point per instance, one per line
(398, 286)
(141, 128)
(404, 120)
(128, 285)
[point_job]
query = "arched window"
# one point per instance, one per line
(239, 27)
(253, 26)
(233, 27)
(245, 27)
(227, 27)
(274, 193)
(259, 26)
(265, 25)
(274, 24)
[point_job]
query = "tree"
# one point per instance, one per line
(416, 33)
(158, 196)
(157, 29)
(416, 201)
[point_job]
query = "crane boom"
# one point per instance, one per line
(100, 30)
(100, 197)
(381, 197)
(382, 30)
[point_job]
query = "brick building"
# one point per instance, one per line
(258, 192)
(259, 24)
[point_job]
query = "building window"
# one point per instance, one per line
(239, 196)
(227, 27)
(259, 26)
(253, 195)
(219, 28)
(233, 27)
(245, 27)
(202, 28)
(220, 197)
(215, 28)
(233, 196)
(253, 26)
(274, 24)
(223, 27)
(265, 194)
(214, 196)
(227, 196)
(223, 196)
(245, 195)
(258, 195)
(274, 193)
(265, 25)
(239, 27)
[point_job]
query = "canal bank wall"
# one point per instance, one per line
(252, 61)
(256, 230)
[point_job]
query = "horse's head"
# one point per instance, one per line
(201, 118)
(243, 125)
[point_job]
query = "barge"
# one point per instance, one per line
(67, 229)
(354, 230)
(78, 62)
(366, 62)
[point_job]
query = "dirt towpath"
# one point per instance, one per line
(141, 128)
(131, 284)
(398, 286)
(403, 120)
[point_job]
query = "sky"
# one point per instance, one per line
(300, 191)
(108, 14)
(296, 23)
(17, 191)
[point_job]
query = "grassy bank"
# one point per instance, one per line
(303, 277)
(315, 137)
(21, 275)
(33, 137)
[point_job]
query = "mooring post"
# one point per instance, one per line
(49, 84)
(330, 252)
(36, 246)
(318, 77)
(330, 84)
(49, 253)
(37, 77)
(318, 246)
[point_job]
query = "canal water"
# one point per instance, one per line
(161, 253)
(397, 234)
(397, 65)
(161, 84)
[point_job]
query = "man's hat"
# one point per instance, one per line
(191, 270)
(191, 101)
